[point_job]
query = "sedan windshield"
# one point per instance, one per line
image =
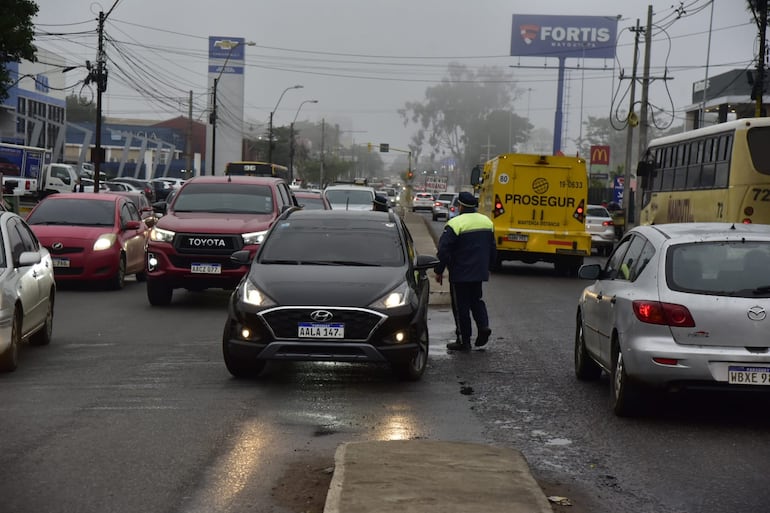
(334, 242)
(226, 198)
(71, 211)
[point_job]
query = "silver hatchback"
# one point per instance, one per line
(677, 305)
(600, 225)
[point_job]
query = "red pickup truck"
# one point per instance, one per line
(208, 219)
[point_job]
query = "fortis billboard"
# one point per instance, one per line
(564, 36)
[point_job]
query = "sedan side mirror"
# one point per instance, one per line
(241, 257)
(425, 262)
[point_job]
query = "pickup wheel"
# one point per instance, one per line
(159, 294)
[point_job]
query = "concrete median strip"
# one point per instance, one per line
(424, 476)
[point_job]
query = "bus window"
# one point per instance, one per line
(759, 148)
(680, 178)
(667, 182)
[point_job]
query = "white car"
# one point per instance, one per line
(600, 225)
(349, 197)
(422, 201)
(677, 305)
(27, 290)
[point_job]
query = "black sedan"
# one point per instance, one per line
(327, 285)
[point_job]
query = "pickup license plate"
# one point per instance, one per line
(206, 268)
(517, 237)
(746, 375)
(61, 262)
(314, 330)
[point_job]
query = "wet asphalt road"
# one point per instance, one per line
(130, 409)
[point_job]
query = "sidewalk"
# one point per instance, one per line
(431, 476)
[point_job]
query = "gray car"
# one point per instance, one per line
(27, 290)
(677, 305)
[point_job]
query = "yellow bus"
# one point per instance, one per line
(253, 168)
(537, 204)
(717, 173)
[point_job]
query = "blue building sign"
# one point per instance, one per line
(564, 36)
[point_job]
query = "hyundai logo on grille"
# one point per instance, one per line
(321, 316)
(757, 313)
(205, 242)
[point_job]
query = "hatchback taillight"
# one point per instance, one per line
(607, 223)
(667, 314)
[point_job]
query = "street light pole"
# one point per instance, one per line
(270, 126)
(291, 139)
(213, 115)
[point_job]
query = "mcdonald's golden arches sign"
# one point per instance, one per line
(600, 155)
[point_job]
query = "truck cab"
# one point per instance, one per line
(57, 178)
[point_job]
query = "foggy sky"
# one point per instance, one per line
(362, 60)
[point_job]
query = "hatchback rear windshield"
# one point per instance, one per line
(597, 212)
(224, 198)
(333, 242)
(74, 212)
(733, 268)
(349, 196)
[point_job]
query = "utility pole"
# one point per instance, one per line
(760, 81)
(188, 146)
(323, 129)
(101, 86)
(631, 122)
(643, 123)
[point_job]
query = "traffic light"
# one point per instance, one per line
(499, 210)
(580, 211)
(384, 147)
(369, 147)
(409, 175)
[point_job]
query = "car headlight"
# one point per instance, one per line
(159, 235)
(254, 238)
(104, 241)
(253, 296)
(396, 297)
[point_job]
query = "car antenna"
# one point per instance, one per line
(733, 227)
(229, 178)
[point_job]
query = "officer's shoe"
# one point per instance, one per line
(459, 346)
(483, 337)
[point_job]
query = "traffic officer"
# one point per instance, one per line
(467, 249)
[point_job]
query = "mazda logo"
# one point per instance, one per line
(757, 313)
(57, 245)
(321, 316)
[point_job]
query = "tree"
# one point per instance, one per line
(16, 35)
(463, 112)
(78, 112)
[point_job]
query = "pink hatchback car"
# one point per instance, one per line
(91, 237)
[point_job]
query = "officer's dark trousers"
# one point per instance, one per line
(467, 301)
